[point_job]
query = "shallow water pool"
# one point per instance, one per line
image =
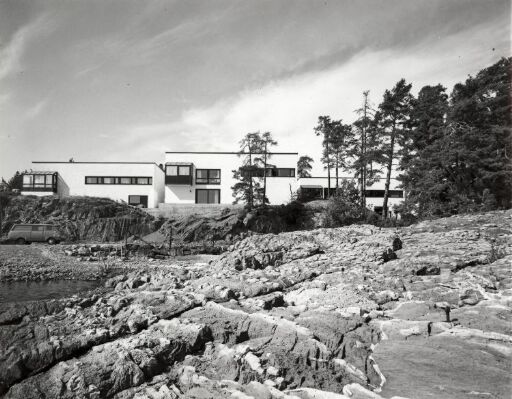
(20, 291)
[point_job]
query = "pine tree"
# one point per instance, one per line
(394, 119)
(323, 128)
(423, 178)
(304, 166)
(251, 175)
(480, 113)
(363, 150)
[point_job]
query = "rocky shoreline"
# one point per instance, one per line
(354, 312)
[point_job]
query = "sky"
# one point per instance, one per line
(127, 80)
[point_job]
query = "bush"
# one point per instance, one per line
(344, 207)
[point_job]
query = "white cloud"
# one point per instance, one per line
(289, 108)
(12, 52)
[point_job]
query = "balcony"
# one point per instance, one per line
(178, 173)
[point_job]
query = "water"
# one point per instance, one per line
(20, 291)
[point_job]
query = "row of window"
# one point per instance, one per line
(203, 176)
(380, 193)
(271, 172)
(145, 181)
(212, 176)
(39, 182)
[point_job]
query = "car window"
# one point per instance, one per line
(37, 228)
(22, 228)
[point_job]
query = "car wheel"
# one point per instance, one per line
(21, 241)
(51, 241)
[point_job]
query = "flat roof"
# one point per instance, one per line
(227, 152)
(133, 163)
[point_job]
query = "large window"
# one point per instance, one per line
(177, 170)
(178, 174)
(280, 172)
(207, 176)
(271, 172)
(380, 193)
(40, 181)
(207, 196)
(145, 181)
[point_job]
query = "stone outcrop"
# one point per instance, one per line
(354, 312)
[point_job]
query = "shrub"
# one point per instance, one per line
(344, 207)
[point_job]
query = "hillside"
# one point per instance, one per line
(80, 218)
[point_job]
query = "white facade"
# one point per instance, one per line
(180, 190)
(375, 192)
(121, 181)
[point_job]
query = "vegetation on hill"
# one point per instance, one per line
(79, 218)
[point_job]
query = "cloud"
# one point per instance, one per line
(289, 107)
(37, 108)
(12, 52)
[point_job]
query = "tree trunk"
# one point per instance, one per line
(250, 201)
(388, 174)
(328, 169)
(363, 153)
(337, 167)
(265, 174)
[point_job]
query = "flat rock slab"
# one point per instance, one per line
(443, 367)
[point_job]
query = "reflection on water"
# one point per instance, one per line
(19, 291)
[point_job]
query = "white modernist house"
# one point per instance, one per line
(187, 178)
(318, 187)
(207, 177)
(136, 183)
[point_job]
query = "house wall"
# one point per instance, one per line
(371, 202)
(71, 180)
(278, 188)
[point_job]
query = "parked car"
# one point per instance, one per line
(23, 233)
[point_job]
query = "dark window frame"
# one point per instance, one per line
(178, 170)
(207, 190)
(380, 193)
(271, 172)
(45, 186)
(274, 172)
(143, 203)
(209, 180)
(100, 180)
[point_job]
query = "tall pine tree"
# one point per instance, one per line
(394, 118)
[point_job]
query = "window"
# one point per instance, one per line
(22, 228)
(280, 172)
(138, 200)
(145, 181)
(207, 196)
(37, 228)
(184, 170)
(40, 181)
(178, 174)
(380, 193)
(271, 172)
(171, 170)
(207, 176)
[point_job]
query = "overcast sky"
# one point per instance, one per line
(126, 80)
